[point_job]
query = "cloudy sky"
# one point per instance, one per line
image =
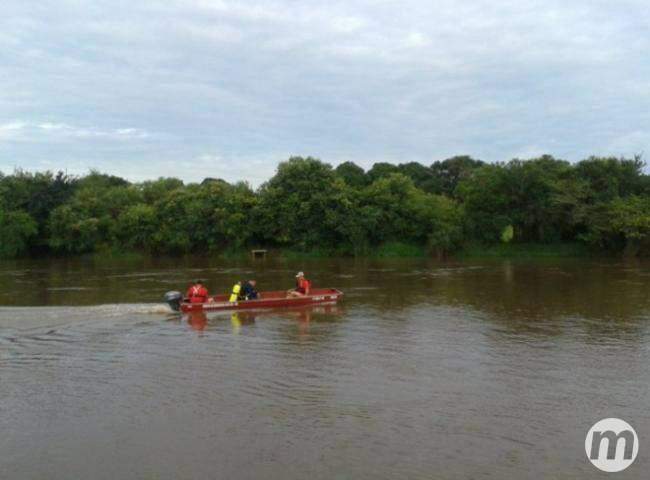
(195, 88)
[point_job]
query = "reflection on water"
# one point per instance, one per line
(425, 370)
(303, 315)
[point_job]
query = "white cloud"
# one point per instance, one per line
(36, 132)
(212, 33)
(348, 24)
(11, 129)
(416, 39)
(629, 143)
(257, 12)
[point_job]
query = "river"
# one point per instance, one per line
(477, 369)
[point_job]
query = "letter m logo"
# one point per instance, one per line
(613, 439)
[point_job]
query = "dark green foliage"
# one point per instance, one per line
(352, 174)
(452, 171)
(88, 220)
(529, 195)
(37, 195)
(602, 203)
(17, 228)
(97, 180)
(154, 190)
(622, 225)
(610, 178)
(304, 205)
(382, 170)
(487, 203)
(423, 177)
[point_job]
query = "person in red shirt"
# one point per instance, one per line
(303, 286)
(197, 293)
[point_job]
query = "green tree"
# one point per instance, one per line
(486, 203)
(17, 228)
(532, 186)
(227, 215)
(523, 194)
(620, 225)
(423, 177)
(631, 219)
(302, 205)
(136, 227)
(88, 220)
(352, 174)
(153, 191)
(96, 180)
(394, 209)
(36, 194)
(182, 221)
(450, 172)
(445, 224)
(611, 177)
(70, 231)
(382, 170)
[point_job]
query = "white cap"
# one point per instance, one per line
(300, 274)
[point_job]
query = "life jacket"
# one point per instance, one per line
(303, 285)
(234, 296)
(197, 294)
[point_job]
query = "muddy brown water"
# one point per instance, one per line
(482, 369)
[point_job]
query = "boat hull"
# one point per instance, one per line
(277, 299)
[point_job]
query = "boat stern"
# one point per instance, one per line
(174, 299)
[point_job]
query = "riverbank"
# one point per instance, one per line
(527, 250)
(387, 250)
(503, 250)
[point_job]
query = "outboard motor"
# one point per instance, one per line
(174, 299)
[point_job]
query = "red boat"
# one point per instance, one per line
(267, 300)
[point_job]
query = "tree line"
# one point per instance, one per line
(308, 205)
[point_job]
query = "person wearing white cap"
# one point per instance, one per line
(303, 286)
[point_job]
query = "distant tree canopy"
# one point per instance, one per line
(602, 202)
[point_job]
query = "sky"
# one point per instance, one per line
(228, 89)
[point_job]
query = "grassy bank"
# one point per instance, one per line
(387, 250)
(524, 250)
(405, 250)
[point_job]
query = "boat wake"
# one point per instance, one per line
(28, 318)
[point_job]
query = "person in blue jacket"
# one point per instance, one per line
(249, 290)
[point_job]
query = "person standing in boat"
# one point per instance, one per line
(249, 292)
(303, 286)
(197, 293)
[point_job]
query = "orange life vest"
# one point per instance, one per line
(197, 294)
